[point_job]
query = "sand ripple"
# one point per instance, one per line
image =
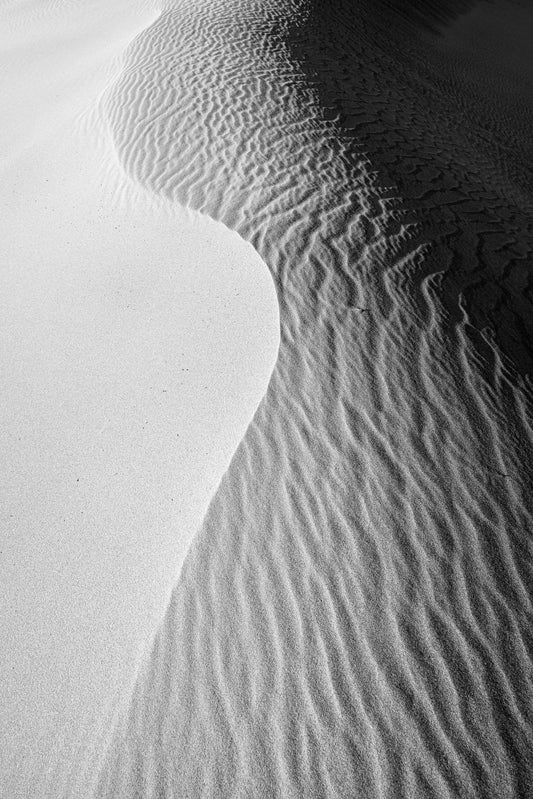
(354, 618)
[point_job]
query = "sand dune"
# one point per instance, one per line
(354, 617)
(137, 341)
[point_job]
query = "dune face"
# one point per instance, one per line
(137, 340)
(354, 617)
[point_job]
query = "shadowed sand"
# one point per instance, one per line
(446, 119)
(431, 15)
(354, 617)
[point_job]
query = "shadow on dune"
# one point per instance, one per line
(444, 128)
(430, 14)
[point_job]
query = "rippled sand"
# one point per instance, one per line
(353, 619)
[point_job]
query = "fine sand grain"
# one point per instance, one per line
(137, 341)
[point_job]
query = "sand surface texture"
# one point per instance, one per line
(136, 343)
(354, 617)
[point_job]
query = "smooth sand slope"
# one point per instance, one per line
(136, 343)
(354, 617)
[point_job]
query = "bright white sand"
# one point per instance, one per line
(137, 342)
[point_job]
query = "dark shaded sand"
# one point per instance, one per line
(445, 114)
(431, 15)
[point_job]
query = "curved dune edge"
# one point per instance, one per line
(137, 342)
(353, 619)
